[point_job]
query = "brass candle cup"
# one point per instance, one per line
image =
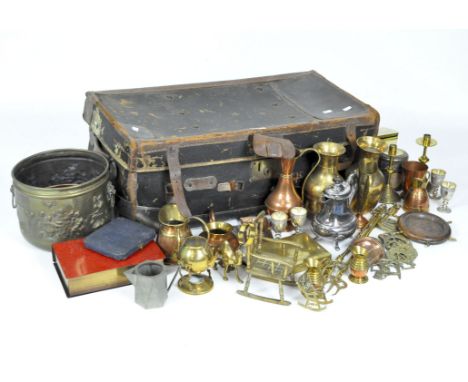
(359, 265)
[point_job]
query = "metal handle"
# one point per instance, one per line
(311, 171)
(205, 227)
(110, 190)
(13, 198)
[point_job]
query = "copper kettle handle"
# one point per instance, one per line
(311, 170)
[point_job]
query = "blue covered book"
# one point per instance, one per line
(119, 238)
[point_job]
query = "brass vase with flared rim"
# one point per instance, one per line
(370, 180)
(173, 230)
(322, 174)
(417, 198)
(195, 257)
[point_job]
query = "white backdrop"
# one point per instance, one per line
(52, 52)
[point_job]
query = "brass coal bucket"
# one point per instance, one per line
(61, 195)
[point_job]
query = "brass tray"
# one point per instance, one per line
(424, 227)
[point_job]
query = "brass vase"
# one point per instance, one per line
(173, 230)
(284, 196)
(370, 179)
(322, 175)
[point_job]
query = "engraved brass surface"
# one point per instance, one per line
(61, 195)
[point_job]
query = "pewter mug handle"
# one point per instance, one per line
(13, 197)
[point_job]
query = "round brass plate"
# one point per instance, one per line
(424, 227)
(195, 284)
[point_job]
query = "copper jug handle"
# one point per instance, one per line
(311, 170)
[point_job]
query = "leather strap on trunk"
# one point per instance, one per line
(273, 147)
(351, 138)
(175, 174)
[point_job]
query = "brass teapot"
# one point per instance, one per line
(195, 256)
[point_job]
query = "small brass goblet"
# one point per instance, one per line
(437, 177)
(279, 222)
(298, 217)
(447, 191)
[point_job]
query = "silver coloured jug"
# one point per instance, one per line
(335, 218)
(149, 279)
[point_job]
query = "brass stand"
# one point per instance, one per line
(203, 284)
(389, 195)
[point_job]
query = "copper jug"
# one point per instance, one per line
(417, 198)
(322, 174)
(220, 232)
(413, 169)
(284, 196)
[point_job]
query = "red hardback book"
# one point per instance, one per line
(82, 270)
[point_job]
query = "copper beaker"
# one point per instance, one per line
(413, 169)
(417, 198)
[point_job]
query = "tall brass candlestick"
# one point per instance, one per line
(389, 195)
(425, 141)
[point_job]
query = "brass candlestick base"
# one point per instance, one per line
(389, 195)
(195, 284)
(425, 141)
(358, 280)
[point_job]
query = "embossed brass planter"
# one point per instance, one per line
(61, 195)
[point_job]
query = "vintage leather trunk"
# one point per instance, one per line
(192, 143)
